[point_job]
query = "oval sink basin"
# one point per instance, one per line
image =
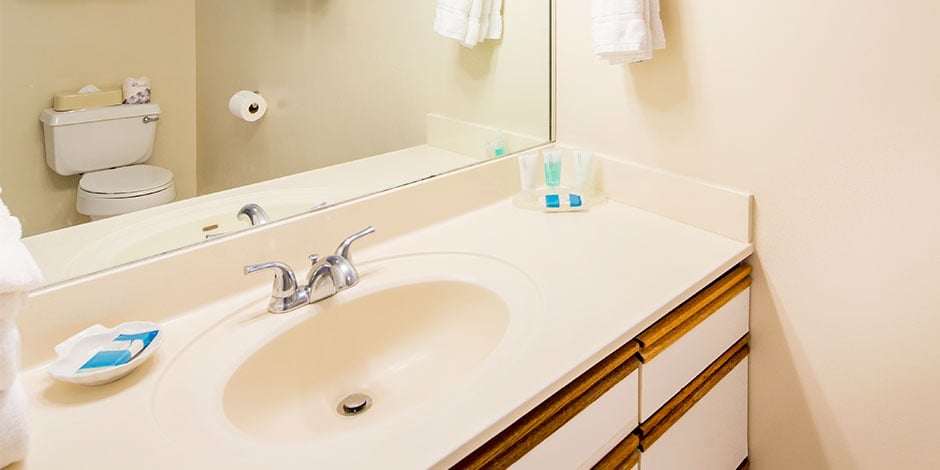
(418, 334)
(399, 346)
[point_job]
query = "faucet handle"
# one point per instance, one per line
(285, 284)
(314, 258)
(343, 249)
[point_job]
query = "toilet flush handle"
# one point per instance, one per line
(149, 119)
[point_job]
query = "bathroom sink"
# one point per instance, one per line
(417, 334)
(398, 346)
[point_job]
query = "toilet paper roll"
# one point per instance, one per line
(248, 105)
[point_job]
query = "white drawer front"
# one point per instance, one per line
(591, 434)
(712, 435)
(663, 376)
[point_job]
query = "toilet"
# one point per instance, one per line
(107, 146)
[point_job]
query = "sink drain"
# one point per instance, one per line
(354, 404)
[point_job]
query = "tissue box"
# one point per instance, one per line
(98, 99)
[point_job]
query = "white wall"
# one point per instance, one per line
(830, 113)
(346, 80)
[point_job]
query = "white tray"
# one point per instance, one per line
(77, 350)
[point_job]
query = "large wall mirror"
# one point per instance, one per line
(362, 96)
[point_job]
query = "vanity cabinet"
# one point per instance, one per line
(673, 397)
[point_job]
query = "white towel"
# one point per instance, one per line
(18, 270)
(14, 427)
(18, 274)
(9, 348)
(469, 21)
(626, 31)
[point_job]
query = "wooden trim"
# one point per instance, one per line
(670, 338)
(657, 425)
(624, 456)
(745, 464)
(690, 313)
(532, 428)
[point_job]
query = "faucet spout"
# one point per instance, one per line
(320, 282)
(256, 215)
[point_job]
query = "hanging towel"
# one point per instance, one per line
(14, 428)
(626, 31)
(469, 21)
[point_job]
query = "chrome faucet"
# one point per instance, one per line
(336, 273)
(256, 215)
(285, 294)
(326, 278)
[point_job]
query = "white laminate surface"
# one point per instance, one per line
(602, 276)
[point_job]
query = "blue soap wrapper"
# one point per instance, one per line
(117, 357)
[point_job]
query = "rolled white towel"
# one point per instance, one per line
(18, 270)
(9, 354)
(14, 426)
(18, 274)
(10, 227)
(4, 211)
(9, 347)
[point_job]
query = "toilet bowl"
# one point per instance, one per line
(107, 146)
(121, 190)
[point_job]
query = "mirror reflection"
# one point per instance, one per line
(357, 96)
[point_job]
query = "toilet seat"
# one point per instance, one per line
(127, 181)
(126, 189)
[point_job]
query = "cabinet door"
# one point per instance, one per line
(710, 436)
(588, 436)
(663, 376)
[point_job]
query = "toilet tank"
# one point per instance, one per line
(98, 138)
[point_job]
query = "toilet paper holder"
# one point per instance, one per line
(254, 107)
(250, 110)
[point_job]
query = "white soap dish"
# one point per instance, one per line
(99, 355)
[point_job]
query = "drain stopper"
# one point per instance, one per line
(354, 404)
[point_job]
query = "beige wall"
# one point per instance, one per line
(829, 112)
(351, 79)
(58, 45)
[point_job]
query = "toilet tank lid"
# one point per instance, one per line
(52, 117)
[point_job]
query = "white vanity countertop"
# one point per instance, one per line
(82, 249)
(603, 276)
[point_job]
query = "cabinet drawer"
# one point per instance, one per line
(711, 435)
(665, 374)
(592, 433)
(607, 396)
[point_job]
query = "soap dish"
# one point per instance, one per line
(99, 355)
